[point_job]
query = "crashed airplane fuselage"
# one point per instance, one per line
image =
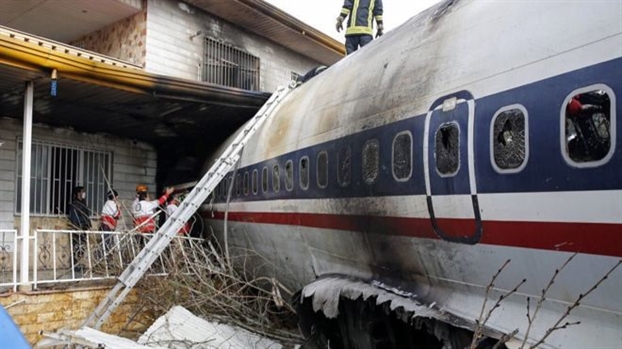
(410, 171)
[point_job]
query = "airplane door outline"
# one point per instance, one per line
(457, 109)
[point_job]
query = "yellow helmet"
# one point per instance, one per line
(141, 188)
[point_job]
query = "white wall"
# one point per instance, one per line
(170, 51)
(133, 163)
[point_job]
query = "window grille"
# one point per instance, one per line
(228, 66)
(56, 169)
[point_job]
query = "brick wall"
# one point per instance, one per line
(124, 39)
(52, 310)
(171, 50)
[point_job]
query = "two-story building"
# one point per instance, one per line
(115, 93)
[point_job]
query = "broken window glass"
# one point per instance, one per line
(289, 175)
(322, 169)
(508, 142)
(276, 179)
(304, 173)
(264, 179)
(254, 181)
(447, 149)
(371, 161)
(402, 156)
(588, 126)
(345, 167)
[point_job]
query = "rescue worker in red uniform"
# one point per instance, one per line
(172, 206)
(110, 215)
(144, 209)
(359, 27)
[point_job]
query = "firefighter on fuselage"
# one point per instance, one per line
(359, 27)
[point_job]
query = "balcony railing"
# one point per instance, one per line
(68, 256)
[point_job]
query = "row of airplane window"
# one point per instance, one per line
(586, 142)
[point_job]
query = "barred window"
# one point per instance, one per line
(228, 66)
(56, 169)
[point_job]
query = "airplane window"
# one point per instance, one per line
(254, 181)
(371, 161)
(304, 173)
(588, 120)
(246, 183)
(229, 183)
(276, 179)
(509, 139)
(238, 185)
(402, 156)
(264, 179)
(322, 169)
(447, 149)
(345, 166)
(289, 175)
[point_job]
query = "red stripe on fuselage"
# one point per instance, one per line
(592, 238)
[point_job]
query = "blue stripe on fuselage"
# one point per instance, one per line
(546, 169)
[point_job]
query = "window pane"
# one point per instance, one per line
(246, 183)
(289, 175)
(509, 139)
(238, 185)
(402, 156)
(371, 161)
(588, 126)
(264, 179)
(304, 173)
(255, 181)
(276, 179)
(447, 149)
(322, 169)
(345, 167)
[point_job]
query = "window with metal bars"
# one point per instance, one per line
(56, 169)
(228, 66)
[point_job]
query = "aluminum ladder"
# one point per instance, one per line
(188, 207)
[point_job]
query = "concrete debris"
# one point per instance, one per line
(179, 328)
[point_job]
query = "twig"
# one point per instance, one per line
(558, 325)
(479, 325)
(531, 318)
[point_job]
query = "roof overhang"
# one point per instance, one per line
(100, 94)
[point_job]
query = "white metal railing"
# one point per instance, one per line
(68, 256)
(8, 259)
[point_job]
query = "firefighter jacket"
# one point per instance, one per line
(361, 15)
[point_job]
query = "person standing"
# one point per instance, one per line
(79, 217)
(359, 27)
(111, 213)
(172, 206)
(144, 209)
